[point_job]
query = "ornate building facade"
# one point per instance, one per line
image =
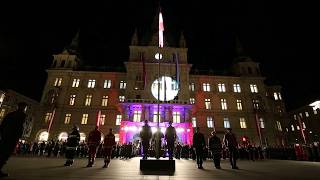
(158, 83)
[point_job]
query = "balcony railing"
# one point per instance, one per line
(149, 101)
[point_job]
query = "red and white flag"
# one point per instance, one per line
(161, 29)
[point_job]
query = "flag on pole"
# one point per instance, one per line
(177, 70)
(302, 130)
(258, 127)
(143, 70)
(161, 29)
(51, 119)
(98, 118)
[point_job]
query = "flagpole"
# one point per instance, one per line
(301, 129)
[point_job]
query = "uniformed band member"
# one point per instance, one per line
(145, 135)
(94, 139)
(199, 144)
(109, 142)
(158, 135)
(72, 144)
(170, 136)
(216, 148)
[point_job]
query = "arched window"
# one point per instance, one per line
(63, 136)
(82, 137)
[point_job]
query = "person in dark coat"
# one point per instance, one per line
(11, 130)
(170, 136)
(216, 148)
(231, 143)
(72, 145)
(199, 144)
(145, 135)
(158, 135)
(109, 143)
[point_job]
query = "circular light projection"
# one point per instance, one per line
(43, 136)
(168, 88)
(158, 56)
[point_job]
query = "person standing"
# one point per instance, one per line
(170, 136)
(158, 135)
(94, 139)
(11, 130)
(71, 145)
(231, 143)
(145, 135)
(199, 144)
(216, 148)
(109, 142)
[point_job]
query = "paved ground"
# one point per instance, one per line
(23, 168)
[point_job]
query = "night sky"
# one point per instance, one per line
(283, 37)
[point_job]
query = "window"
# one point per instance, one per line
(279, 96)
(221, 87)
(307, 113)
(58, 82)
(255, 104)
(67, 119)
(206, 87)
(176, 117)
(226, 123)
(91, 83)
(47, 117)
(207, 103)
(107, 84)
(191, 86)
(156, 115)
(123, 85)
(224, 104)
(72, 99)
(295, 117)
(315, 111)
(243, 124)
(300, 114)
(304, 125)
(292, 128)
(2, 111)
(192, 100)
(275, 95)
(279, 126)
(118, 119)
(104, 101)
(88, 100)
(136, 116)
(102, 119)
(84, 119)
(210, 122)
(75, 82)
(236, 88)
(194, 121)
(253, 88)
(261, 123)
(239, 105)
(121, 98)
(298, 128)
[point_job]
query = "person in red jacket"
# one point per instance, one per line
(93, 144)
(109, 142)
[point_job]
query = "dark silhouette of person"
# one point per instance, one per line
(72, 144)
(11, 130)
(231, 143)
(216, 148)
(170, 136)
(109, 143)
(199, 144)
(94, 139)
(145, 135)
(158, 135)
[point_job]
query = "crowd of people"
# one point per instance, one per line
(151, 145)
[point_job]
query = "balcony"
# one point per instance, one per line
(149, 101)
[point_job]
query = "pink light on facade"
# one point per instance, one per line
(161, 29)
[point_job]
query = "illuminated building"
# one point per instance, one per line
(123, 100)
(304, 124)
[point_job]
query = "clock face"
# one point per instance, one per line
(158, 56)
(168, 88)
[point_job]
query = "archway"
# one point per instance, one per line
(82, 137)
(43, 136)
(63, 136)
